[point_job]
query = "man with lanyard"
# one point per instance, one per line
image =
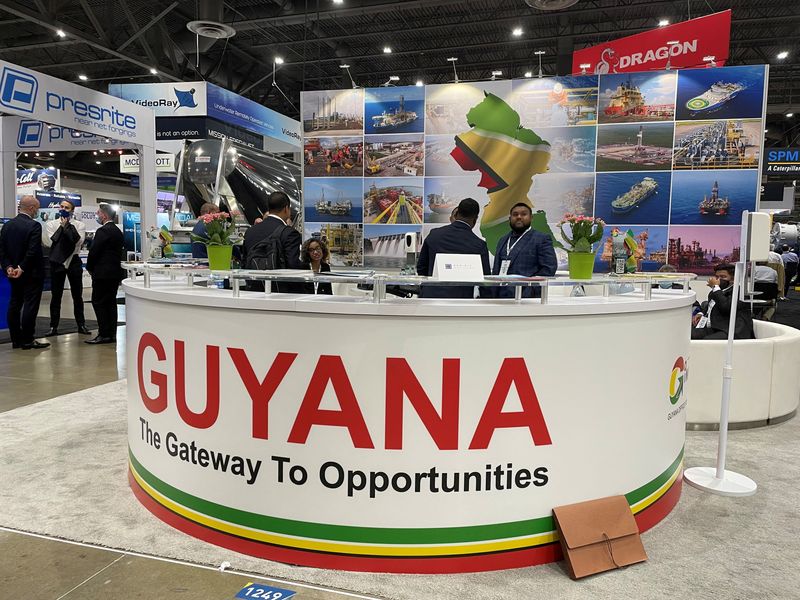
(65, 237)
(523, 251)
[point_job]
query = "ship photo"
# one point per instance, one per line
(332, 200)
(714, 204)
(714, 97)
(338, 208)
(390, 120)
(637, 97)
(640, 192)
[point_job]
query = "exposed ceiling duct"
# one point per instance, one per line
(550, 4)
(209, 21)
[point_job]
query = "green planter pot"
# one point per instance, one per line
(581, 265)
(219, 257)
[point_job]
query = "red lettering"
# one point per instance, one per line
(159, 403)
(512, 371)
(205, 419)
(400, 382)
(330, 369)
(261, 392)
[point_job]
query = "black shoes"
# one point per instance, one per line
(36, 345)
(51, 332)
(83, 329)
(101, 340)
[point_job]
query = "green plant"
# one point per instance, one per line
(218, 230)
(584, 232)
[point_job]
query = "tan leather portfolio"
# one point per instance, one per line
(598, 535)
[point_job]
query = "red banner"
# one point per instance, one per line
(683, 45)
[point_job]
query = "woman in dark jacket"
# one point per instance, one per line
(315, 256)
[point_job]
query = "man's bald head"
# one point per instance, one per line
(28, 205)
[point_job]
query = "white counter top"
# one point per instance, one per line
(178, 292)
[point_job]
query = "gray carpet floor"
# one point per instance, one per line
(63, 473)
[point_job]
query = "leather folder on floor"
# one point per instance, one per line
(598, 535)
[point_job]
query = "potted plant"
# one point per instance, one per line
(581, 235)
(217, 240)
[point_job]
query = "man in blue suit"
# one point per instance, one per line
(523, 251)
(23, 263)
(456, 238)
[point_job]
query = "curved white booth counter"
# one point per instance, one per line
(766, 379)
(425, 436)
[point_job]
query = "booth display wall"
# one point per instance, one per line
(382, 162)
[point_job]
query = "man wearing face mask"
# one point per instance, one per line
(104, 264)
(712, 322)
(64, 236)
(523, 251)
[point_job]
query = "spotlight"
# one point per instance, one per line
(392, 79)
(419, 83)
(338, 1)
(517, 31)
(387, 50)
(279, 60)
(37, 154)
(663, 22)
(60, 33)
(95, 152)
(788, 116)
(539, 53)
(97, 162)
(452, 60)
(583, 67)
(153, 72)
(52, 153)
(528, 74)
(782, 55)
(83, 77)
(711, 60)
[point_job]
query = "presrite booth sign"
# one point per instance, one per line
(683, 45)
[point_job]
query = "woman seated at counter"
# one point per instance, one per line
(315, 255)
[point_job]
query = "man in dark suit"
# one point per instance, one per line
(103, 263)
(712, 323)
(456, 238)
(523, 251)
(23, 263)
(274, 225)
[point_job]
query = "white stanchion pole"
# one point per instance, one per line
(718, 480)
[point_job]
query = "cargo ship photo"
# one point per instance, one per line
(393, 119)
(635, 196)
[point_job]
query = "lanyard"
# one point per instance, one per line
(510, 246)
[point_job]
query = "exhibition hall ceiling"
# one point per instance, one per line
(123, 41)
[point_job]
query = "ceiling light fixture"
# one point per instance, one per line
(789, 115)
(392, 79)
(452, 60)
(517, 31)
(711, 60)
(52, 153)
(419, 83)
(663, 22)
(83, 77)
(60, 33)
(782, 55)
(97, 162)
(670, 43)
(583, 67)
(338, 1)
(279, 60)
(153, 71)
(346, 67)
(528, 74)
(387, 50)
(539, 54)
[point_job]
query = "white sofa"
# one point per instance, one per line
(766, 379)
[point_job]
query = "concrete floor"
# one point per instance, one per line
(49, 569)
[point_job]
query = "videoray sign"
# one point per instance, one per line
(683, 45)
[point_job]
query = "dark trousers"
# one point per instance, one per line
(104, 302)
(59, 274)
(790, 269)
(23, 306)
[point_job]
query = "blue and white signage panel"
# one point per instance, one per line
(40, 97)
(184, 99)
(29, 135)
(229, 107)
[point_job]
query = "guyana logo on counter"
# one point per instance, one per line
(677, 380)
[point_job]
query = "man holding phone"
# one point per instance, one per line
(64, 236)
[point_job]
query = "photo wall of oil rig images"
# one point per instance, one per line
(671, 155)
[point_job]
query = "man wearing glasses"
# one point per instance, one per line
(64, 236)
